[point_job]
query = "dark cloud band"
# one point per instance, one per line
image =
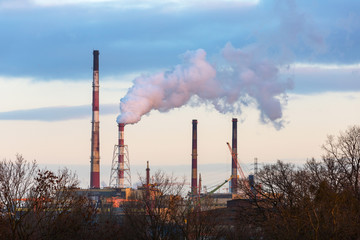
(60, 113)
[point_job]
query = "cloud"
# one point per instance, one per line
(59, 113)
(128, 4)
(9, 4)
(317, 78)
(60, 39)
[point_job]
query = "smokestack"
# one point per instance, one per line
(121, 155)
(234, 159)
(147, 181)
(95, 143)
(147, 175)
(199, 184)
(194, 158)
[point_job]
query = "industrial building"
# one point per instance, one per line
(120, 189)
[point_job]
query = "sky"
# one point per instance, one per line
(288, 70)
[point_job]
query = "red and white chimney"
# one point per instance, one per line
(121, 158)
(194, 158)
(234, 158)
(95, 141)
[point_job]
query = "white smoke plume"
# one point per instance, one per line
(241, 78)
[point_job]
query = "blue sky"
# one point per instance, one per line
(48, 41)
(46, 60)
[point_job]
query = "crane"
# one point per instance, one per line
(243, 178)
(217, 188)
(201, 198)
(237, 162)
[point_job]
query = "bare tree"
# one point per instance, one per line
(319, 200)
(342, 159)
(148, 215)
(164, 211)
(16, 183)
(39, 204)
(60, 211)
(198, 218)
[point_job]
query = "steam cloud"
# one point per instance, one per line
(239, 79)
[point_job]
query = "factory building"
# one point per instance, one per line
(120, 189)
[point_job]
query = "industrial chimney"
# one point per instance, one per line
(147, 182)
(147, 174)
(95, 143)
(199, 184)
(234, 158)
(121, 157)
(194, 158)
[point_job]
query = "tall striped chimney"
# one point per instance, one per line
(147, 174)
(234, 159)
(194, 158)
(199, 184)
(147, 181)
(121, 157)
(95, 143)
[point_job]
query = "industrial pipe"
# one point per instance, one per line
(194, 158)
(121, 157)
(95, 140)
(234, 175)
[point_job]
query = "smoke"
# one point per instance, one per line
(247, 76)
(238, 80)
(166, 90)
